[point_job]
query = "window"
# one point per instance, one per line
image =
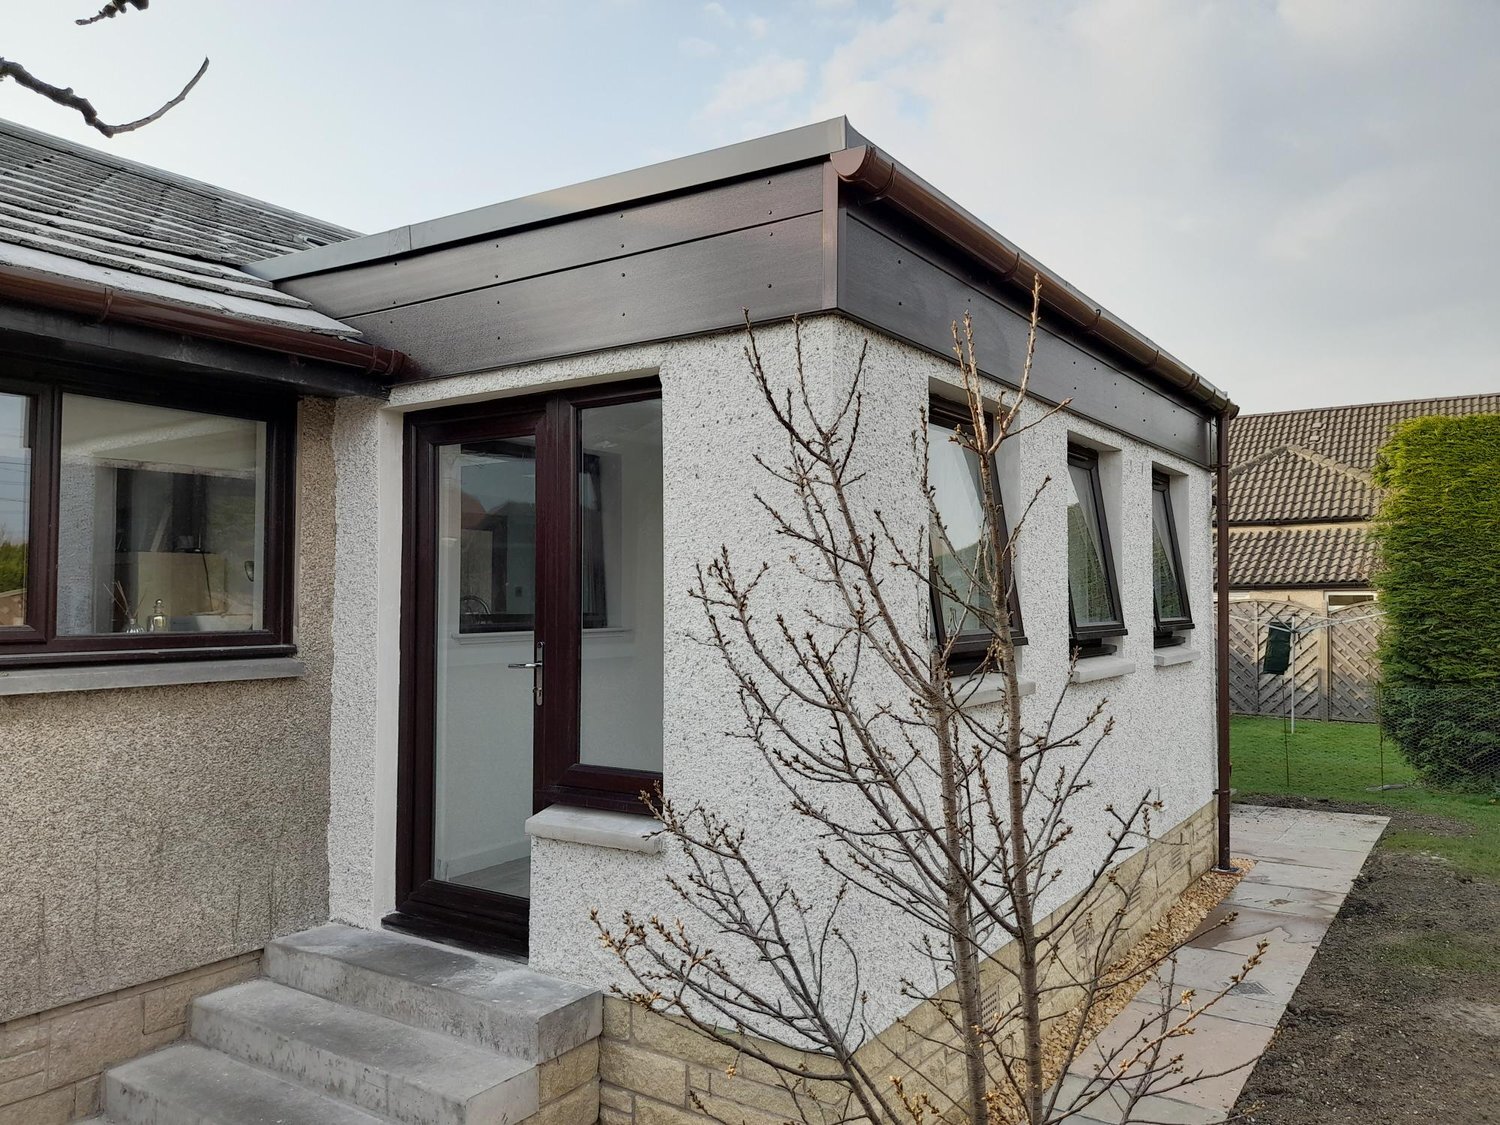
(1168, 583)
(139, 530)
(954, 475)
(1093, 594)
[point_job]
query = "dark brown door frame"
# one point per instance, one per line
(426, 905)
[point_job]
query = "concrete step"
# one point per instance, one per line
(409, 1075)
(190, 1085)
(487, 1001)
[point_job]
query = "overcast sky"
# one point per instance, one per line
(1300, 199)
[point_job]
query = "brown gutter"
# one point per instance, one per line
(1221, 629)
(879, 178)
(102, 303)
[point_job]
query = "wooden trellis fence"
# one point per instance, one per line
(1336, 668)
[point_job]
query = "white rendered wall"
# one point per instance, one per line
(713, 425)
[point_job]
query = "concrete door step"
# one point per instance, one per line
(487, 1001)
(362, 1028)
(190, 1085)
(378, 1064)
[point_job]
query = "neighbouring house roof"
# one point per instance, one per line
(73, 214)
(1315, 467)
(1299, 557)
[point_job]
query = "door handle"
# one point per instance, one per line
(536, 672)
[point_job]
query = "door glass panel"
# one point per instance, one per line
(15, 507)
(486, 606)
(620, 535)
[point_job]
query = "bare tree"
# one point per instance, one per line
(951, 820)
(65, 95)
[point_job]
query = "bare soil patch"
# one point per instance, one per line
(1398, 1017)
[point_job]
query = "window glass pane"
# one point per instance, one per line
(497, 536)
(15, 506)
(954, 474)
(1088, 580)
(161, 520)
(620, 533)
(1169, 603)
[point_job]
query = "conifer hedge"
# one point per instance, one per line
(1438, 532)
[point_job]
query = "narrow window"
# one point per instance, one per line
(1093, 594)
(1168, 583)
(957, 557)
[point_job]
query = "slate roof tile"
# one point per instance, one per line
(69, 212)
(1300, 557)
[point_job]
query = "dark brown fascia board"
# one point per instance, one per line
(877, 178)
(671, 177)
(52, 336)
(102, 304)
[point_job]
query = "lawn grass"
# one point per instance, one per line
(1343, 762)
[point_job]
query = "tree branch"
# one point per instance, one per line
(64, 96)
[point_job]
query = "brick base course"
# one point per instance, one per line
(657, 1071)
(50, 1062)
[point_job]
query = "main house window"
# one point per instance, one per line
(135, 529)
(1093, 593)
(1168, 583)
(969, 619)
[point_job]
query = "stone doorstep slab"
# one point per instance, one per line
(372, 1062)
(487, 1001)
(190, 1085)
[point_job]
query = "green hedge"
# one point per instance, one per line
(12, 565)
(1439, 580)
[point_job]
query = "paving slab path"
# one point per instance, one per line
(1306, 863)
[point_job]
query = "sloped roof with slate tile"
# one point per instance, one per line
(1315, 465)
(1304, 467)
(1261, 558)
(68, 212)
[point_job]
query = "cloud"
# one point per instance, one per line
(698, 48)
(1296, 198)
(772, 82)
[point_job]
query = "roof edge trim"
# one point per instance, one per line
(763, 154)
(869, 171)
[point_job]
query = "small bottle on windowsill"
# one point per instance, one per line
(158, 622)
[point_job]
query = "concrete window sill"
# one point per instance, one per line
(103, 677)
(622, 831)
(991, 689)
(1101, 668)
(1178, 654)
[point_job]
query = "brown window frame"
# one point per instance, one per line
(560, 776)
(1089, 640)
(37, 643)
(1167, 629)
(970, 649)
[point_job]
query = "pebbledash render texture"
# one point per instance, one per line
(159, 838)
(713, 427)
